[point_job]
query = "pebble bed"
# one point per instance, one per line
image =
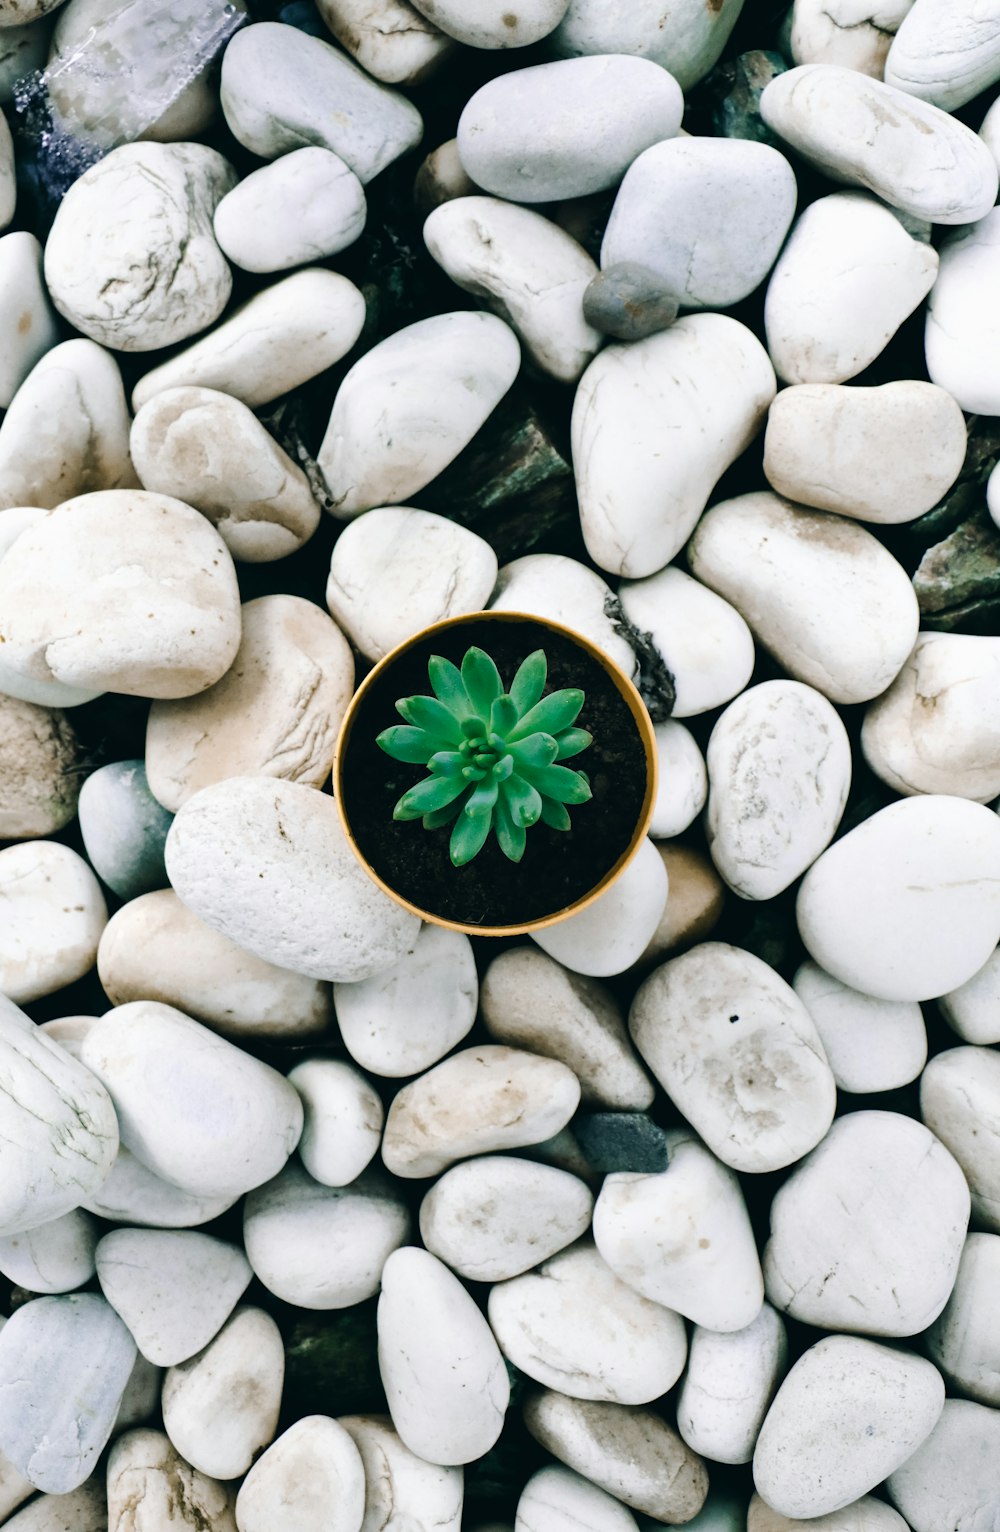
(678, 324)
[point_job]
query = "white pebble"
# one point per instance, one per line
(343, 1120)
(221, 1407)
(703, 640)
(54, 913)
(306, 206)
(951, 1480)
(400, 1484)
(150, 1487)
(609, 935)
(687, 39)
(728, 1386)
(963, 1339)
(973, 1009)
(960, 1103)
(312, 1478)
(563, 590)
(556, 1499)
(52, 1257)
(871, 1045)
(28, 325)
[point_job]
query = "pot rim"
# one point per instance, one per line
(636, 707)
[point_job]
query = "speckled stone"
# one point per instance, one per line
(629, 1141)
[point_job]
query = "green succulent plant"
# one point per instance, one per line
(491, 754)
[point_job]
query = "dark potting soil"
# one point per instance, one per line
(558, 867)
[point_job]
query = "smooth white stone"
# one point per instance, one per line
(728, 1386)
(854, 33)
(973, 1009)
(683, 1238)
(686, 39)
(82, 1510)
(556, 1499)
(867, 1233)
(820, 592)
(963, 1340)
(409, 406)
(477, 1101)
(152, 1489)
(53, 1257)
(266, 863)
(738, 1054)
(946, 51)
(527, 269)
(408, 1016)
(865, 133)
(705, 384)
(28, 326)
(572, 1324)
(396, 570)
(864, 1515)
(824, 442)
(779, 769)
(708, 215)
(530, 1001)
(871, 1045)
(343, 1120)
(907, 905)
(17, 519)
(609, 935)
(704, 642)
(131, 259)
(950, 1482)
(847, 278)
(960, 1103)
(39, 770)
(276, 84)
(134, 1195)
(323, 1247)
(207, 449)
(398, 1484)
(389, 39)
(166, 623)
(495, 1216)
(491, 25)
(563, 590)
(442, 1371)
(273, 343)
(848, 1413)
(68, 1032)
(312, 1478)
(197, 1111)
(66, 432)
(961, 336)
(53, 916)
(565, 129)
(683, 782)
(174, 1289)
(630, 1453)
(221, 1406)
(306, 206)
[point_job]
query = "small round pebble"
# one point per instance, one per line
(629, 301)
(343, 1120)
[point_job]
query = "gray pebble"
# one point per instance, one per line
(622, 1141)
(124, 829)
(629, 302)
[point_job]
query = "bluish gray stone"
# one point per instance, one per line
(124, 829)
(629, 302)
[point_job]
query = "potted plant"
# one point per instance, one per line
(495, 773)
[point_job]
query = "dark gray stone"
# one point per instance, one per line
(628, 1141)
(629, 302)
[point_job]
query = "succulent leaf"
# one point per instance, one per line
(482, 681)
(469, 837)
(447, 763)
(571, 742)
(550, 716)
(430, 794)
(538, 750)
(560, 783)
(430, 714)
(503, 716)
(484, 797)
(512, 838)
(555, 815)
(440, 817)
(448, 686)
(523, 801)
(415, 746)
(529, 682)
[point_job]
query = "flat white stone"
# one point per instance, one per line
(271, 344)
(221, 1406)
(704, 642)
(951, 1481)
(479, 1100)
(565, 129)
(867, 1233)
(683, 1238)
(323, 1247)
(131, 259)
(491, 25)
(820, 592)
(306, 206)
(343, 1120)
(408, 1016)
(442, 1371)
(152, 1489)
(209, 450)
(400, 1484)
(683, 781)
(556, 1499)
(74, 613)
(960, 336)
(409, 406)
(53, 916)
(864, 1515)
(779, 770)
(134, 1195)
(64, 1364)
(573, 1324)
(871, 1045)
(907, 905)
(563, 590)
(706, 383)
(28, 326)
(397, 570)
(728, 1385)
(530, 1001)
(630, 1453)
(311, 1478)
(389, 39)
(266, 863)
(53, 1257)
(854, 33)
(738, 1054)
(960, 1103)
(196, 1110)
(495, 1216)
(963, 1339)
(173, 1288)
(866, 133)
(946, 51)
(66, 431)
(848, 1413)
(687, 39)
(527, 269)
(973, 1009)
(708, 215)
(609, 935)
(84, 1509)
